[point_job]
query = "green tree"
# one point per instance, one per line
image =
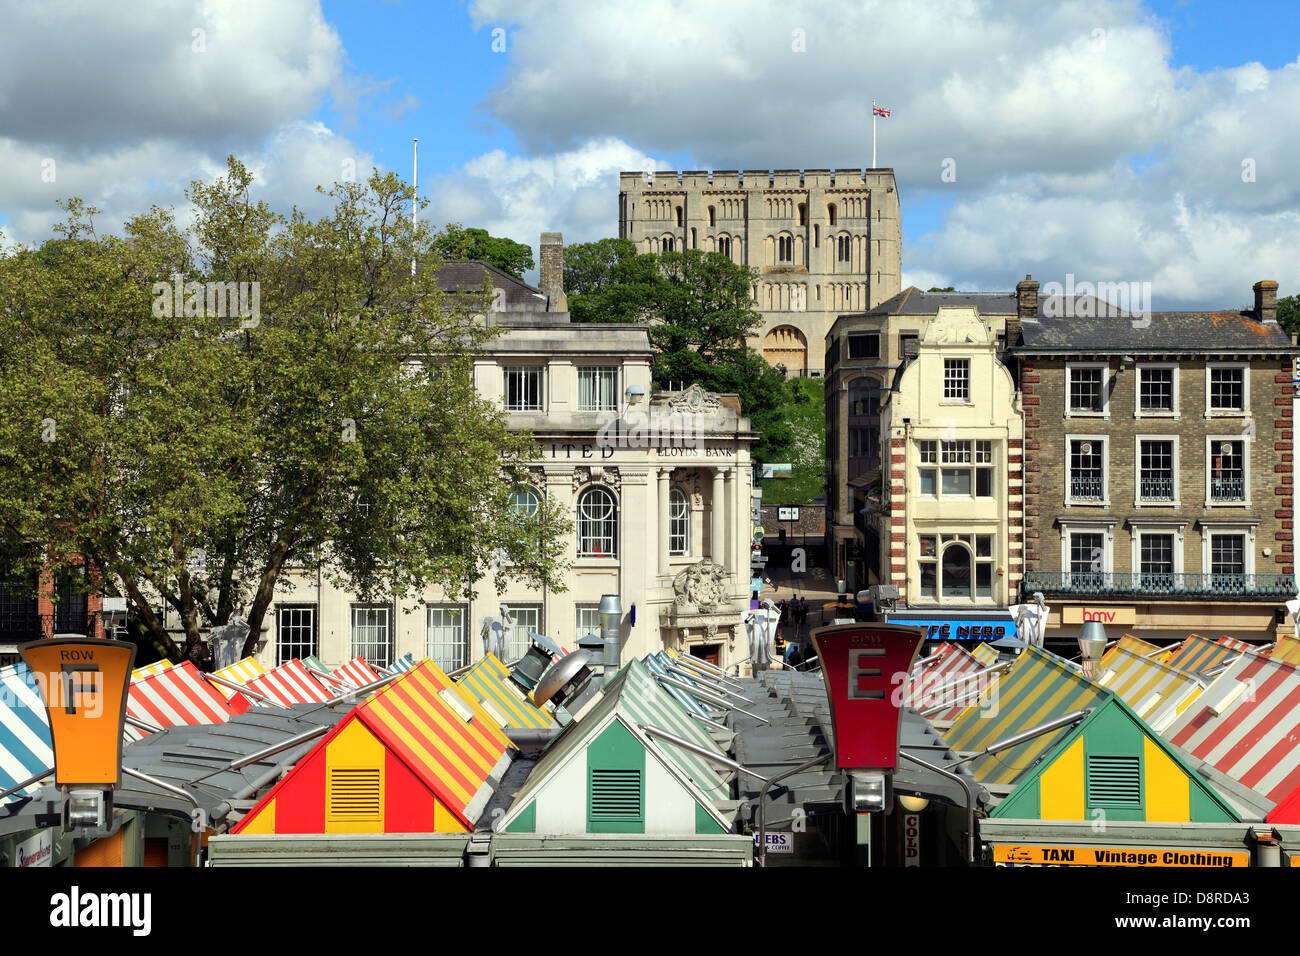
(946, 288)
(455, 243)
(701, 312)
(1288, 313)
(194, 457)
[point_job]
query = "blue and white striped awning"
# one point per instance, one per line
(403, 663)
(658, 666)
(25, 748)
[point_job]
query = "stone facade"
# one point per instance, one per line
(1184, 485)
(823, 242)
(863, 352)
(954, 489)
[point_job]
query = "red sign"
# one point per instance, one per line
(862, 665)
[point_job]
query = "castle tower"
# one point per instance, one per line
(824, 243)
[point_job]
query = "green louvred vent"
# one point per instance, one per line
(1114, 781)
(615, 795)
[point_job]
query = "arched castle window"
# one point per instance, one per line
(830, 212)
(803, 214)
(679, 215)
(844, 248)
(713, 216)
(785, 248)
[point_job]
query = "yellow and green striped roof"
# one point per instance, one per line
(489, 681)
(1039, 687)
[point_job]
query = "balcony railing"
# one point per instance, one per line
(1087, 488)
(1157, 488)
(1228, 489)
(1162, 584)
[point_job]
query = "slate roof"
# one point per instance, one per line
(1225, 331)
(468, 276)
(912, 301)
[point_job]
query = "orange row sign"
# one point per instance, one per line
(85, 685)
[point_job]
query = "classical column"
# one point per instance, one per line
(729, 523)
(662, 543)
(717, 507)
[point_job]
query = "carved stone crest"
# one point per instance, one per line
(694, 400)
(606, 474)
(702, 585)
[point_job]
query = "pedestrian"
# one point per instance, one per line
(795, 658)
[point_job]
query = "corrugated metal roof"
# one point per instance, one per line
(25, 747)
(291, 683)
(1203, 657)
(240, 672)
(489, 680)
(940, 684)
(1247, 725)
(1039, 687)
(178, 696)
(1157, 692)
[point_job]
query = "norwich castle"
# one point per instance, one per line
(823, 242)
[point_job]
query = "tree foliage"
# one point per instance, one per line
(193, 456)
(701, 312)
(1288, 313)
(455, 243)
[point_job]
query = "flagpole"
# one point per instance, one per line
(873, 134)
(415, 191)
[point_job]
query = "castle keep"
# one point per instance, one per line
(823, 242)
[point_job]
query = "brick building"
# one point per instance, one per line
(34, 609)
(1158, 468)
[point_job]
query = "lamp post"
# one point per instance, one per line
(611, 619)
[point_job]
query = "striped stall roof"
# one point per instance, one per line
(178, 697)
(157, 667)
(1039, 687)
(639, 697)
(453, 755)
(939, 682)
(1287, 649)
(658, 665)
(356, 673)
(313, 663)
(1157, 692)
(403, 663)
(986, 655)
(1134, 644)
(489, 681)
(1201, 655)
(291, 683)
(25, 747)
(1247, 725)
(240, 672)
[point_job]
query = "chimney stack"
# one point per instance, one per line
(552, 272)
(1266, 300)
(1027, 300)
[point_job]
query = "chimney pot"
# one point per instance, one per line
(1266, 300)
(551, 269)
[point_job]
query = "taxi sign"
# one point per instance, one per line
(84, 683)
(1145, 857)
(864, 666)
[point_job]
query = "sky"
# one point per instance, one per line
(1112, 141)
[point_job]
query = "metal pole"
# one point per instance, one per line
(143, 724)
(247, 692)
(195, 840)
(723, 691)
(1071, 718)
(970, 799)
(710, 698)
(690, 663)
(762, 802)
(699, 751)
(873, 134)
(26, 783)
(415, 192)
(268, 751)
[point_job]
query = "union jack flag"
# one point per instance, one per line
(879, 111)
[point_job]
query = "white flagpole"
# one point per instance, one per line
(873, 134)
(415, 192)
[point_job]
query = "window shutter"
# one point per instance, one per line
(1114, 781)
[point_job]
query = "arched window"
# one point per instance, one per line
(679, 215)
(785, 249)
(597, 523)
(679, 523)
(713, 216)
(523, 503)
(955, 571)
(803, 214)
(666, 244)
(843, 248)
(724, 245)
(830, 212)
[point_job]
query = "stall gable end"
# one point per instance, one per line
(1112, 766)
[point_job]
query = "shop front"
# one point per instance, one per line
(989, 627)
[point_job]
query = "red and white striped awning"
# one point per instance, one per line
(356, 673)
(945, 683)
(178, 696)
(291, 683)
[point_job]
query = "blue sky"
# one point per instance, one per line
(1111, 139)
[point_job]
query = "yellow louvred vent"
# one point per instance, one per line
(354, 794)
